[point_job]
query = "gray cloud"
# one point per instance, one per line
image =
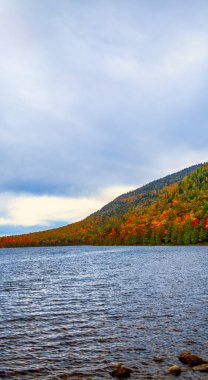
(95, 94)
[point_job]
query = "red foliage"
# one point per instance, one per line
(194, 222)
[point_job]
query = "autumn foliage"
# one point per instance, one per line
(175, 214)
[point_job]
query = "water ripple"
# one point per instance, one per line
(73, 312)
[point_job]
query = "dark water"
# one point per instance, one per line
(72, 312)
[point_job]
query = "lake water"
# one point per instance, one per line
(73, 312)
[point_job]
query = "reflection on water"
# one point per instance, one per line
(72, 312)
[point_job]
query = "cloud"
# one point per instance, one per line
(186, 56)
(96, 94)
(177, 159)
(31, 210)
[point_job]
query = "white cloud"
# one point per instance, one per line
(30, 210)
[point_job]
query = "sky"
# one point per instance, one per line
(96, 99)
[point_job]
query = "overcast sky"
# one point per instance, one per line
(96, 98)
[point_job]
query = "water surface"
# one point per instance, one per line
(72, 312)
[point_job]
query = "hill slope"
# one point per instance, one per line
(150, 191)
(171, 210)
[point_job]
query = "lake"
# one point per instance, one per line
(73, 312)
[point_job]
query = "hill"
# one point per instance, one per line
(145, 193)
(171, 210)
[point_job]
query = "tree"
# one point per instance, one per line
(187, 233)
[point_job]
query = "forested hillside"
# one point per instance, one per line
(143, 194)
(172, 210)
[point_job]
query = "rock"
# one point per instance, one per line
(159, 359)
(139, 326)
(121, 372)
(190, 359)
(183, 356)
(174, 370)
(201, 367)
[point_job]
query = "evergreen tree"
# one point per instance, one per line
(147, 234)
(203, 235)
(187, 233)
(169, 233)
(180, 237)
(153, 237)
(174, 234)
(195, 235)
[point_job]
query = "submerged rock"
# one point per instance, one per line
(121, 372)
(201, 367)
(190, 359)
(174, 370)
(159, 359)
